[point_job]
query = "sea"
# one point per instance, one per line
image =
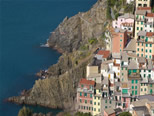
(24, 26)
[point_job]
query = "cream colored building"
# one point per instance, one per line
(97, 98)
(139, 21)
(91, 69)
(143, 3)
(143, 88)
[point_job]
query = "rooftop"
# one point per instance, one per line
(87, 82)
(109, 111)
(144, 8)
(127, 15)
(149, 97)
(131, 46)
(142, 33)
(132, 65)
(150, 15)
(141, 110)
(140, 102)
(105, 53)
(150, 34)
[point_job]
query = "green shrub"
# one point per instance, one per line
(93, 41)
(125, 114)
(25, 112)
(82, 114)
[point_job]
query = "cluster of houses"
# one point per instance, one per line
(121, 78)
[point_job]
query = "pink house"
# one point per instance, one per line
(119, 41)
(85, 93)
(124, 19)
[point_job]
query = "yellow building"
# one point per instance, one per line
(143, 3)
(97, 98)
(145, 44)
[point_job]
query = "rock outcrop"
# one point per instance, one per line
(58, 90)
(74, 31)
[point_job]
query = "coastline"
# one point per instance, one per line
(67, 74)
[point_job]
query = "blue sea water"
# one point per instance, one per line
(24, 25)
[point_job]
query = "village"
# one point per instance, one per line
(120, 78)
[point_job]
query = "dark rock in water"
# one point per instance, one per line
(58, 90)
(41, 114)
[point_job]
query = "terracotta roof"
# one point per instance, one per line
(105, 53)
(150, 15)
(149, 34)
(87, 82)
(118, 65)
(128, 24)
(144, 8)
(124, 85)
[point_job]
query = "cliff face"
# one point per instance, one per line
(74, 31)
(59, 88)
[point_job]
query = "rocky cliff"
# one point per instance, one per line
(77, 37)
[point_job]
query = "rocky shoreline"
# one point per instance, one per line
(58, 89)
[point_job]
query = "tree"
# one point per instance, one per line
(82, 114)
(25, 112)
(125, 114)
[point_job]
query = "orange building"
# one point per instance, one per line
(119, 40)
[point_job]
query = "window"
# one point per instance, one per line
(120, 35)
(85, 101)
(132, 87)
(80, 93)
(105, 101)
(98, 103)
(135, 92)
(150, 51)
(142, 44)
(146, 50)
(150, 85)
(150, 45)
(106, 107)
(138, 44)
(141, 28)
(141, 89)
(82, 86)
(120, 39)
(135, 87)
(146, 45)
(91, 102)
(124, 91)
(94, 109)
(150, 56)
(132, 81)
(136, 81)
(80, 100)
(95, 97)
(144, 89)
(137, 49)
(91, 95)
(110, 102)
(98, 110)
(85, 94)
(94, 103)
(141, 22)
(146, 39)
(142, 55)
(142, 49)
(137, 28)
